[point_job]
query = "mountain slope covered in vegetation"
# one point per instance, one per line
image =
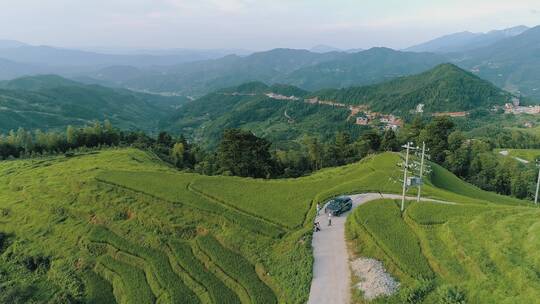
(120, 226)
(51, 102)
(443, 88)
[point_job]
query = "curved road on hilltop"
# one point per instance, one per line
(331, 273)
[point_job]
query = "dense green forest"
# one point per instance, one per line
(446, 88)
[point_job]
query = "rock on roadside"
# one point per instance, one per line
(374, 280)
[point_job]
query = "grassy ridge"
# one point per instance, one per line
(177, 188)
(482, 253)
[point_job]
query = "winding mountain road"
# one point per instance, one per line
(331, 273)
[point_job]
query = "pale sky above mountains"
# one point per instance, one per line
(254, 24)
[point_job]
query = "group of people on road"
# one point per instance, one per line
(316, 225)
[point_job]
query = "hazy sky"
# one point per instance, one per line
(253, 24)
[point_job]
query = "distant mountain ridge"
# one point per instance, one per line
(466, 41)
(302, 68)
(512, 63)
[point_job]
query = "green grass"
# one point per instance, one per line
(381, 220)
(238, 268)
(526, 154)
(157, 261)
(219, 293)
(129, 282)
(487, 252)
(98, 289)
(65, 210)
(460, 191)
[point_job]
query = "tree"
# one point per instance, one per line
(315, 152)
(372, 139)
(435, 135)
(177, 154)
(243, 154)
(342, 148)
(389, 141)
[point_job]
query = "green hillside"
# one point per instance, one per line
(443, 88)
(246, 106)
(363, 68)
(511, 63)
(464, 253)
(52, 102)
(120, 225)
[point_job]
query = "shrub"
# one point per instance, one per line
(448, 294)
(417, 292)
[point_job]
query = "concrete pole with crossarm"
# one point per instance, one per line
(405, 168)
(421, 171)
(537, 186)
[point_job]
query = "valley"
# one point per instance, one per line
(201, 152)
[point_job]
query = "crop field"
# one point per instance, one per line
(483, 253)
(238, 268)
(526, 154)
(118, 225)
(217, 290)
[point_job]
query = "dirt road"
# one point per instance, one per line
(331, 274)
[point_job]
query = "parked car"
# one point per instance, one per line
(338, 205)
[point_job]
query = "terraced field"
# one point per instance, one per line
(467, 253)
(121, 226)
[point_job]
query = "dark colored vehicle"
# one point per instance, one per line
(338, 205)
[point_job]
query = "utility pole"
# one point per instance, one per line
(405, 169)
(422, 170)
(537, 186)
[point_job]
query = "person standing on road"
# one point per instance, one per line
(329, 218)
(318, 209)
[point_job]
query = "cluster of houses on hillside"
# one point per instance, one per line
(515, 108)
(388, 121)
(360, 113)
(281, 97)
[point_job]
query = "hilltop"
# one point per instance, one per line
(441, 89)
(53, 102)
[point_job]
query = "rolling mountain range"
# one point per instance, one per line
(508, 58)
(52, 102)
(281, 113)
(289, 113)
(488, 55)
(308, 70)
